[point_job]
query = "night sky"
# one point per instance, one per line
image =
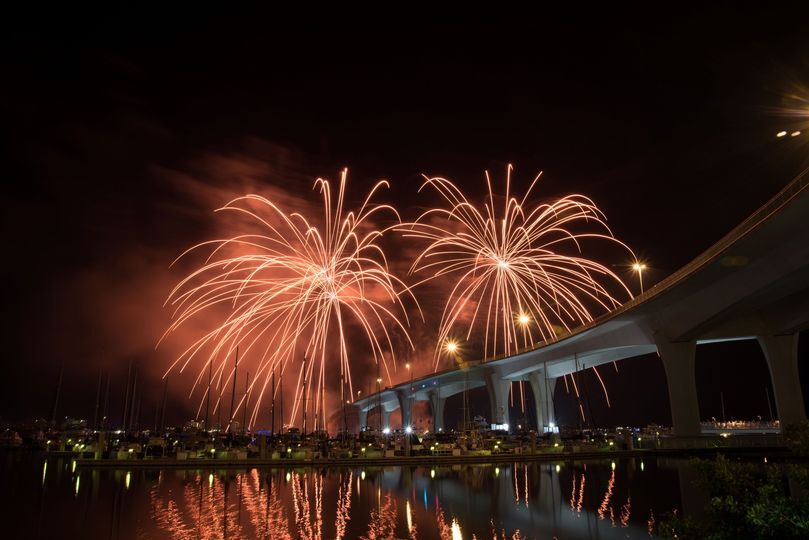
(122, 134)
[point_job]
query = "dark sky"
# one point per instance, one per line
(122, 133)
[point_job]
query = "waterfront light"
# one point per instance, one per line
(558, 467)
(612, 465)
(386, 431)
(780, 134)
(408, 430)
(452, 346)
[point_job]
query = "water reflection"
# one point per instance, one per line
(515, 501)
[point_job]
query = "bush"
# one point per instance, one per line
(746, 501)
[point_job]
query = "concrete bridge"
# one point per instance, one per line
(752, 284)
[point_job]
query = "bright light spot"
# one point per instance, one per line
(408, 430)
(452, 346)
(210, 480)
(556, 445)
(289, 476)
(386, 431)
(794, 133)
(558, 467)
(73, 466)
(612, 465)
(127, 479)
(497, 471)
(44, 471)
(551, 425)
(432, 473)
(379, 380)
(523, 319)
(642, 467)
(332, 296)
(611, 443)
(407, 366)
(502, 264)
(505, 426)
(409, 516)
(362, 474)
(78, 479)
(456, 530)
(780, 133)
(638, 267)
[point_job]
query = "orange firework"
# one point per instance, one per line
(287, 289)
(516, 270)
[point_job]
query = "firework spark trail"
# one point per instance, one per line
(517, 269)
(292, 281)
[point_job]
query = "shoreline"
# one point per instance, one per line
(413, 460)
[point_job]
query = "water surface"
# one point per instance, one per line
(602, 499)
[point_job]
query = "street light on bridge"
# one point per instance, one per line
(639, 267)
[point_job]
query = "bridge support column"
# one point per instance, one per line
(385, 418)
(678, 361)
(406, 406)
(498, 397)
(543, 390)
(363, 416)
(437, 406)
(782, 357)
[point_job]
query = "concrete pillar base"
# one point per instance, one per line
(498, 397)
(782, 357)
(363, 417)
(678, 361)
(437, 406)
(543, 391)
(405, 406)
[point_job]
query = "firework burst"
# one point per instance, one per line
(517, 271)
(288, 290)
